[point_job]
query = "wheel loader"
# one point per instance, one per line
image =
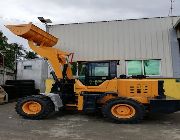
(120, 99)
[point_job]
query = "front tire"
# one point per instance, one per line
(34, 107)
(122, 110)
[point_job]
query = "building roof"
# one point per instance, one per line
(112, 20)
(28, 60)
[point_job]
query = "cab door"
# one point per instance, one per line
(97, 72)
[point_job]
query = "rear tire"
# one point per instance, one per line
(34, 107)
(123, 110)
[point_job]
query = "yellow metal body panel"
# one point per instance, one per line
(171, 87)
(107, 86)
(80, 102)
(48, 85)
(139, 90)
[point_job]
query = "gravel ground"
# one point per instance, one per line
(83, 127)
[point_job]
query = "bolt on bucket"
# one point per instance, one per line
(33, 33)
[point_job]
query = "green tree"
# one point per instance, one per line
(30, 55)
(11, 51)
(3, 41)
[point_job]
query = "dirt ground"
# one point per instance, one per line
(83, 127)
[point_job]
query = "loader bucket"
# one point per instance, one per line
(33, 33)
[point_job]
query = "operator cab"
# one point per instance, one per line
(93, 73)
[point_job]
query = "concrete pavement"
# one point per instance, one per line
(84, 127)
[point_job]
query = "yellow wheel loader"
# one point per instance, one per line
(121, 99)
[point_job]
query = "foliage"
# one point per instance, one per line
(30, 55)
(13, 52)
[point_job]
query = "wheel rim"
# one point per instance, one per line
(123, 111)
(31, 107)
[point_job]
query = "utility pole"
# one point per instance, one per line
(15, 61)
(45, 22)
(171, 12)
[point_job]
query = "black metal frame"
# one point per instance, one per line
(164, 105)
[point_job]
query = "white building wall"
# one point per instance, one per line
(8, 75)
(119, 40)
(39, 72)
(175, 52)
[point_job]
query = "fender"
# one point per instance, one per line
(56, 99)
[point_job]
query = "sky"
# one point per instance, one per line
(73, 11)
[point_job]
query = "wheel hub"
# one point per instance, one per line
(31, 107)
(123, 111)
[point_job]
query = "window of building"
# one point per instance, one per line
(143, 67)
(151, 67)
(28, 67)
(134, 67)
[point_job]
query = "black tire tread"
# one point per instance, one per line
(47, 105)
(107, 113)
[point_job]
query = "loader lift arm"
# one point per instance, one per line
(56, 57)
(41, 42)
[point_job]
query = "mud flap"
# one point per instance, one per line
(56, 99)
